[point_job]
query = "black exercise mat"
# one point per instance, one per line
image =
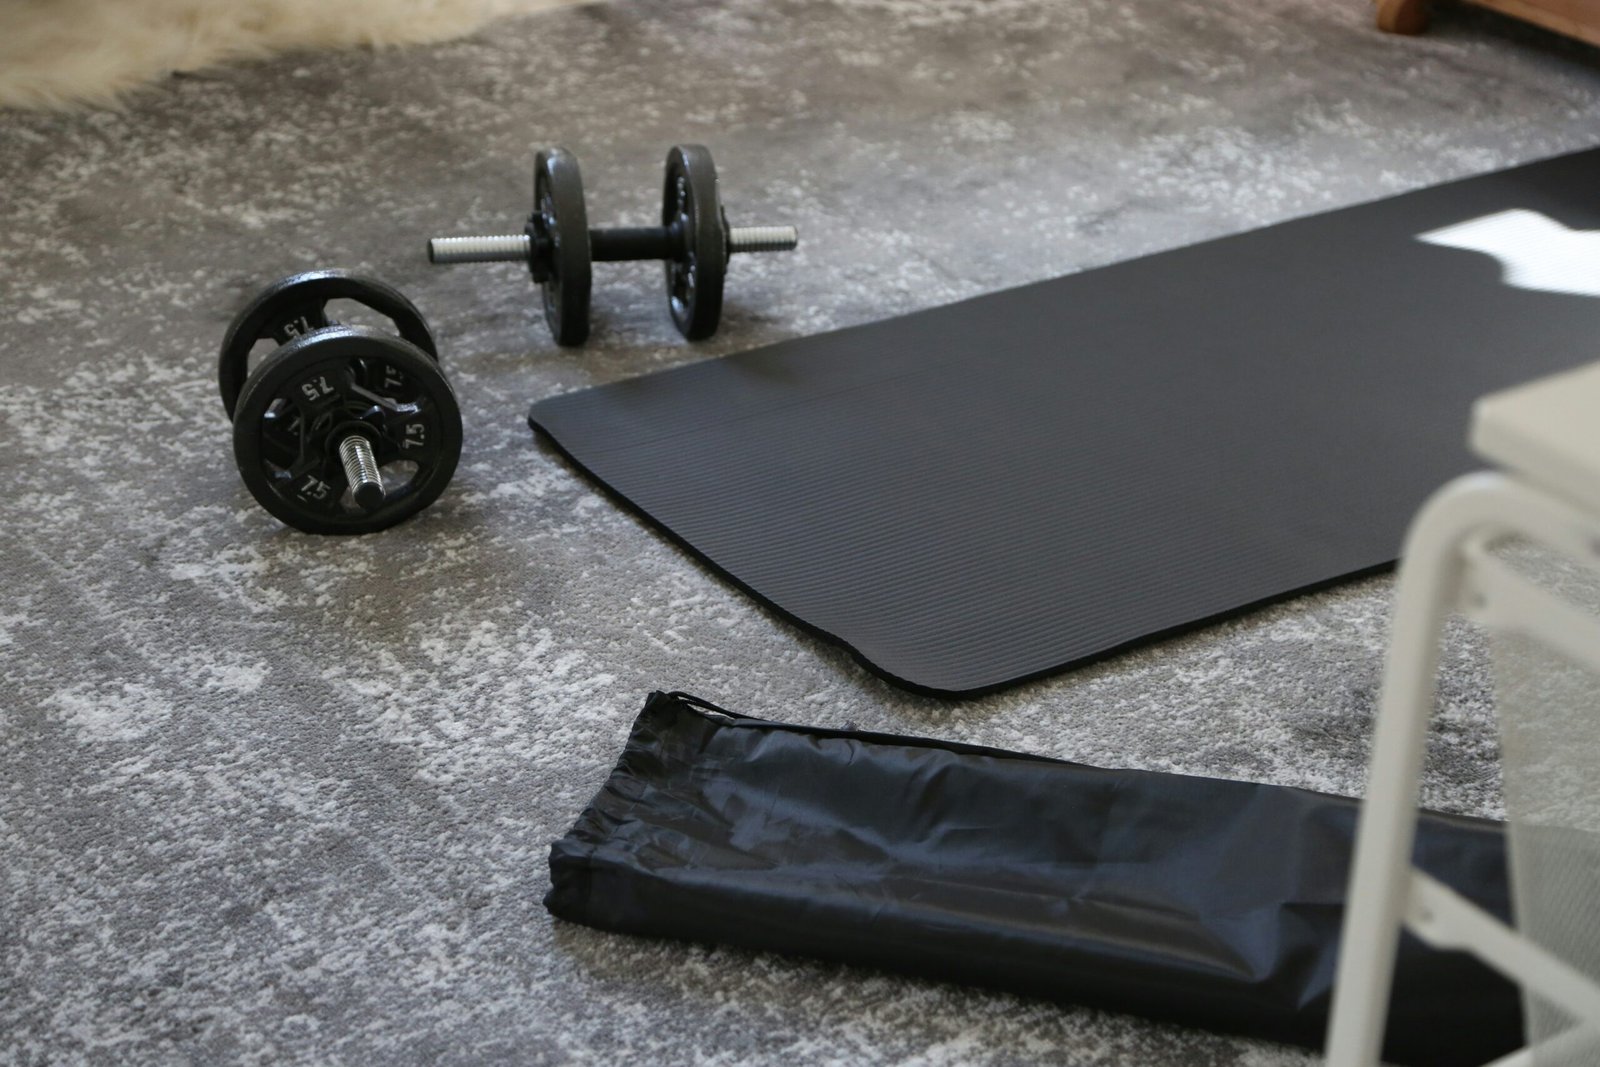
(980, 493)
(1208, 902)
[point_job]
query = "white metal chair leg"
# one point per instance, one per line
(1547, 434)
(1429, 573)
(1382, 879)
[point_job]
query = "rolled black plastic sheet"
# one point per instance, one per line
(1207, 902)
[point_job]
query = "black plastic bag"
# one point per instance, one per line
(1207, 902)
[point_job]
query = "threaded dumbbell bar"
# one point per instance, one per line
(503, 248)
(748, 239)
(616, 245)
(694, 241)
(361, 471)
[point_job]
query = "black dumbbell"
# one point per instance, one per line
(694, 240)
(340, 429)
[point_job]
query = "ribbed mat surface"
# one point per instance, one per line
(993, 490)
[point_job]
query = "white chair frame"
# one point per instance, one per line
(1447, 567)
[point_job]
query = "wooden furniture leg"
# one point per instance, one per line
(1403, 16)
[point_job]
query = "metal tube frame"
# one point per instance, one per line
(1446, 567)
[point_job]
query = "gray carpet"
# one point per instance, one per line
(268, 797)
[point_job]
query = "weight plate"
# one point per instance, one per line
(320, 388)
(692, 208)
(560, 222)
(296, 305)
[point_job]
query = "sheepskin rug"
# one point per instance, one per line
(60, 53)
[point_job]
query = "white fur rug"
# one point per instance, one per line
(60, 53)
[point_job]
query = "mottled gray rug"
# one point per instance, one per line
(270, 797)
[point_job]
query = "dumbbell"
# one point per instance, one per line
(694, 240)
(341, 429)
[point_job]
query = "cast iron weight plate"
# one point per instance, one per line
(691, 211)
(559, 232)
(320, 389)
(297, 305)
